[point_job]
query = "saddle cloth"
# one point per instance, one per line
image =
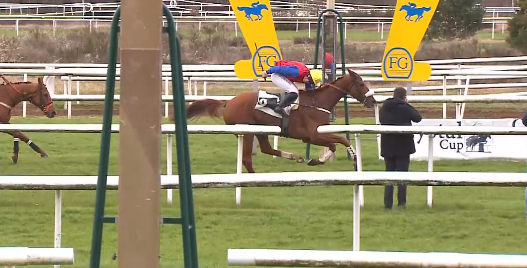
(266, 102)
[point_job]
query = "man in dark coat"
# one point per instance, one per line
(524, 119)
(397, 148)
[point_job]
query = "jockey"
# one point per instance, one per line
(285, 73)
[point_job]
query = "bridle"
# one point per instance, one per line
(352, 85)
(28, 97)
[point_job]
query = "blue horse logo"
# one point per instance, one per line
(412, 10)
(255, 9)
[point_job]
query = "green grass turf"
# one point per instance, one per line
(465, 219)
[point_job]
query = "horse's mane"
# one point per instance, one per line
(326, 85)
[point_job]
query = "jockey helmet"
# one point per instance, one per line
(316, 75)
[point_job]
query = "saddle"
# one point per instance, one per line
(266, 103)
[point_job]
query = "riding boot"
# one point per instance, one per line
(288, 99)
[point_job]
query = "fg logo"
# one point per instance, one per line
(398, 63)
(264, 58)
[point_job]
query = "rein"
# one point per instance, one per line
(322, 109)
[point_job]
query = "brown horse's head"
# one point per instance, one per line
(38, 95)
(353, 85)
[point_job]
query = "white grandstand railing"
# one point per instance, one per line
(455, 63)
(101, 72)
(193, 18)
(187, 5)
(25, 256)
(326, 258)
(279, 179)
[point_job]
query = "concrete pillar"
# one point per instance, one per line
(139, 220)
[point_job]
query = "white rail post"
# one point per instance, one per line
(24, 103)
(357, 198)
(458, 105)
(69, 94)
(58, 221)
(430, 167)
(166, 103)
(444, 95)
(169, 165)
(239, 168)
(275, 144)
(359, 166)
(78, 89)
(465, 93)
(65, 93)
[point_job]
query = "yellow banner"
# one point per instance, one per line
(256, 22)
(409, 25)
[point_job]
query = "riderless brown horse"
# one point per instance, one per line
(12, 94)
(313, 110)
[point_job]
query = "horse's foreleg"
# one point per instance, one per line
(248, 153)
(266, 148)
(21, 136)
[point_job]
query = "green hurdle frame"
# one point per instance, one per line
(187, 219)
(343, 58)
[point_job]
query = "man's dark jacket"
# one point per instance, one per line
(398, 112)
(524, 119)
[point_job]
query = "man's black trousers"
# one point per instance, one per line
(397, 163)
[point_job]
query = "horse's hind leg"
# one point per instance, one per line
(21, 136)
(266, 148)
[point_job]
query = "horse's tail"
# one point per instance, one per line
(209, 106)
(242, 8)
(427, 8)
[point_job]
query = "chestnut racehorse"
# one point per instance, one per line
(12, 94)
(313, 111)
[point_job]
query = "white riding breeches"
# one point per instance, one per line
(283, 83)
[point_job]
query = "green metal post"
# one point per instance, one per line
(190, 250)
(343, 57)
(104, 155)
(187, 219)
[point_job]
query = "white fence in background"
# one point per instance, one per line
(192, 74)
(184, 7)
(238, 180)
(450, 63)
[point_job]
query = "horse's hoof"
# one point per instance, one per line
(44, 155)
(14, 159)
(313, 162)
(301, 160)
